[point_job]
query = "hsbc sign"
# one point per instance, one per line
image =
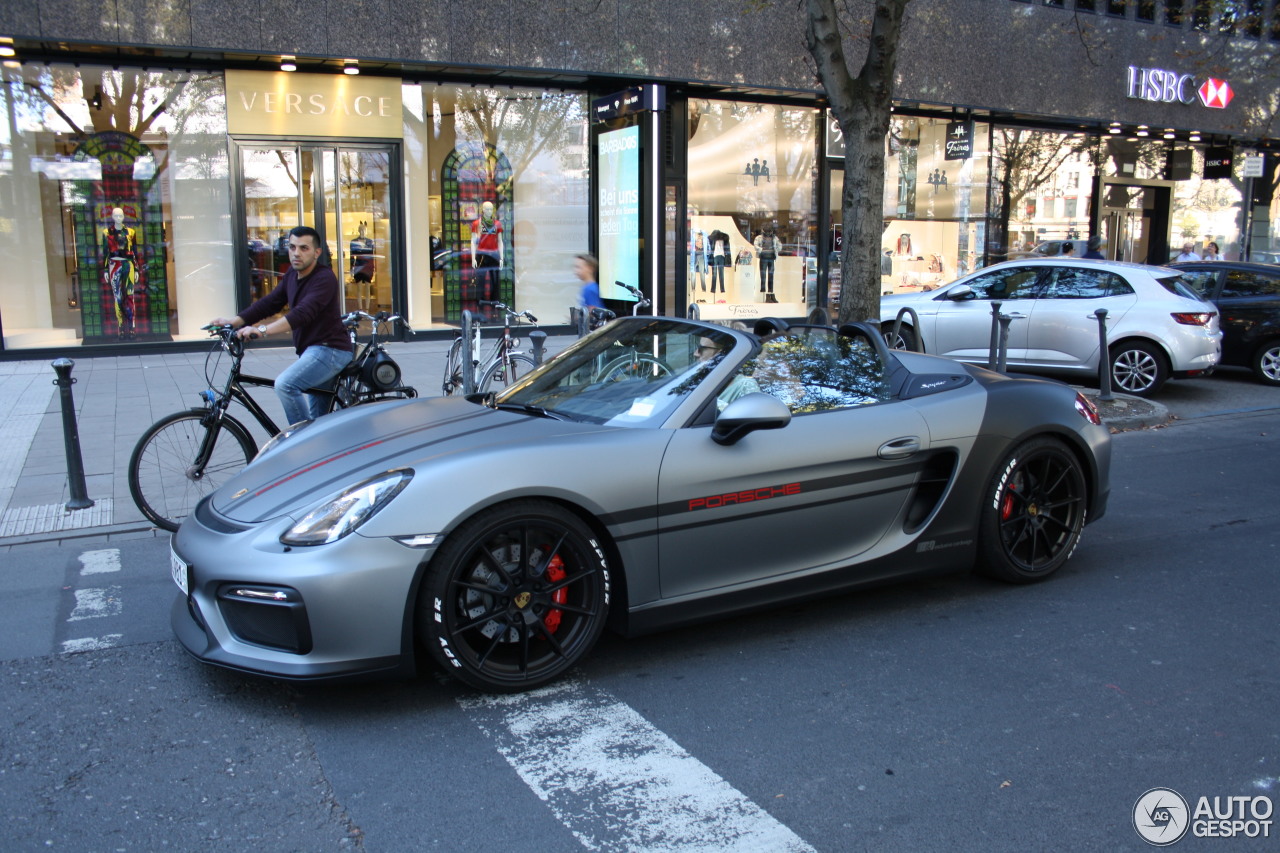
(1161, 86)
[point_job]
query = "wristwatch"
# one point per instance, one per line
(262, 330)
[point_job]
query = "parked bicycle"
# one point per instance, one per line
(186, 455)
(504, 364)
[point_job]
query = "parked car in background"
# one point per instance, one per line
(1248, 299)
(1049, 249)
(1157, 327)
(460, 259)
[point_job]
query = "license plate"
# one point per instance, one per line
(180, 571)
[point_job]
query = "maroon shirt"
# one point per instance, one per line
(315, 309)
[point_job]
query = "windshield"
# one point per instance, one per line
(630, 373)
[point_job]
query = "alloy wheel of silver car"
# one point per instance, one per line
(1137, 369)
(1266, 363)
(516, 595)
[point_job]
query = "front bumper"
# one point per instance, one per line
(329, 611)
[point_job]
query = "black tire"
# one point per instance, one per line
(905, 340)
(516, 595)
(633, 366)
(501, 374)
(1137, 368)
(161, 481)
(1266, 363)
(453, 368)
(1033, 514)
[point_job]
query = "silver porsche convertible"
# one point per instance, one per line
(657, 472)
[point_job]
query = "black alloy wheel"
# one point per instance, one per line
(1034, 512)
(517, 595)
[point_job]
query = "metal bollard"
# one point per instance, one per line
(993, 349)
(468, 356)
(71, 437)
(1104, 357)
(538, 340)
(1002, 361)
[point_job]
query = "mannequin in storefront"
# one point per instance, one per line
(120, 265)
(719, 257)
(698, 258)
(486, 242)
(363, 265)
(767, 249)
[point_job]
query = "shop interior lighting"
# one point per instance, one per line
(1168, 133)
(1115, 128)
(6, 48)
(288, 63)
(1142, 130)
(1195, 136)
(350, 66)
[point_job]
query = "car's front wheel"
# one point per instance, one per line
(1266, 362)
(1034, 512)
(517, 595)
(1138, 368)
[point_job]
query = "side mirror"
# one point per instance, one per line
(748, 414)
(964, 291)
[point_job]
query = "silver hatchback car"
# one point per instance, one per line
(1157, 326)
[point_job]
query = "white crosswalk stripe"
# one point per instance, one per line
(616, 781)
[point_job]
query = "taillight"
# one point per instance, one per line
(1199, 319)
(1087, 409)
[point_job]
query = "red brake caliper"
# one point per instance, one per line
(1006, 506)
(555, 574)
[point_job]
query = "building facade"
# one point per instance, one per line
(154, 156)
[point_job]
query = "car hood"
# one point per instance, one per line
(344, 448)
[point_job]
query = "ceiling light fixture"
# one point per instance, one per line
(288, 63)
(1168, 133)
(1195, 136)
(350, 66)
(1142, 130)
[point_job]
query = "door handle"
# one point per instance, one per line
(1017, 315)
(899, 448)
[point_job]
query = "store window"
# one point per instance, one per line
(935, 203)
(752, 209)
(498, 200)
(1027, 163)
(115, 204)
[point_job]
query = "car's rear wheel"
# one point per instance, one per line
(517, 595)
(904, 340)
(1034, 512)
(1138, 368)
(1266, 362)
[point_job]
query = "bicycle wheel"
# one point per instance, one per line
(453, 368)
(162, 478)
(634, 366)
(503, 373)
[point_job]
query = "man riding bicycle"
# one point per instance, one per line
(314, 298)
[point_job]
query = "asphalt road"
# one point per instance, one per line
(950, 714)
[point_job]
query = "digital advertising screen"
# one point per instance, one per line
(618, 171)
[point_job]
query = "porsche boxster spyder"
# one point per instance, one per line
(657, 472)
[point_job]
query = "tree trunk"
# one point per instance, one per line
(862, 105)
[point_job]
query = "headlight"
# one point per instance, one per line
(347, 510)
(274, 441)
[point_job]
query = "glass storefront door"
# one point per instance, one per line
(345, 192)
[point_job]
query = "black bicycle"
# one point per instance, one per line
(186, 455)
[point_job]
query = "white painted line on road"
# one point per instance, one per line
(616, 781)
(91, 644)
(100, 562)
(96, 603)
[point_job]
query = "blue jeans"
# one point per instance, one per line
(315, 368)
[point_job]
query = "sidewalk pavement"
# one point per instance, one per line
(117, 397)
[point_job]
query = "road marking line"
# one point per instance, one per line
(91, 644)
(616, 781)
(96, 603)
(100, 562)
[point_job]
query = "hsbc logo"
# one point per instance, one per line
(1167, 87)
(1215, 93)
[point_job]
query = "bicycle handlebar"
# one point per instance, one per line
(502, 307)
